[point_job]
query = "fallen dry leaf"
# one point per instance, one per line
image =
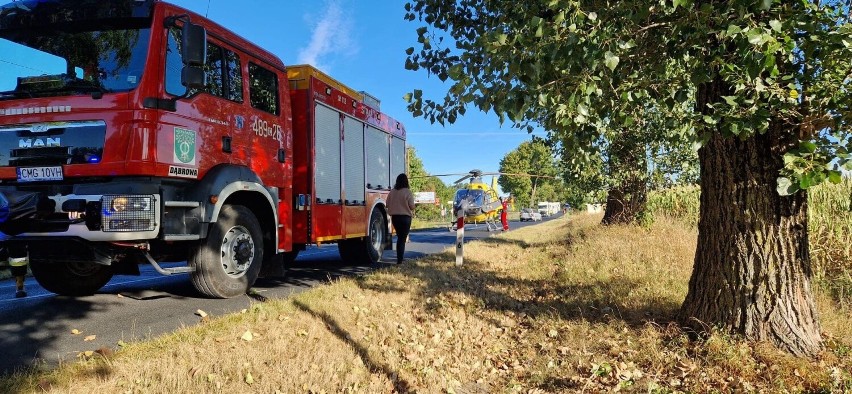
(105, 351)
(76, 332)
(249, 378)
(247, 336)
(90, 338)
(86, 354)
(201, 313)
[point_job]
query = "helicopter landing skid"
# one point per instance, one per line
(489, 226)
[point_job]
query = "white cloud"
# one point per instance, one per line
(331, 36)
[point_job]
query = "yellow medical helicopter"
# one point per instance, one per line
(478, 201)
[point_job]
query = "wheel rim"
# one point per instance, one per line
(376, 235)
(237, 251)
(82, 269)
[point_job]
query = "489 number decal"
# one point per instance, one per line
(264, 129)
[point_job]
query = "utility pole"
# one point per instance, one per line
(532, 197)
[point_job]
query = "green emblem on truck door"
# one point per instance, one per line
(184, 146)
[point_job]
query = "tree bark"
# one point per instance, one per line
(752, 269)
(624, 204)
(626, 201)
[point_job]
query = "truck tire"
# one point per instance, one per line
(367, 250)
(71, 278)
(228, 261)
(345, 248)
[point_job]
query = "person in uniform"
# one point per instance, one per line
(18, 259)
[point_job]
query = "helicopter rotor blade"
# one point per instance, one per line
(478, 173)
(440, 175)
(462, 179)
(528, 175)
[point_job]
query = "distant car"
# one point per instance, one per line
(528, 214)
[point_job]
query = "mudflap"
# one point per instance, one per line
(273, 267)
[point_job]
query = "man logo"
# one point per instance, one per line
(39, 142)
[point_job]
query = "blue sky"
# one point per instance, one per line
(362, 44)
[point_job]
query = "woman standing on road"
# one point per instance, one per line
(401, 209)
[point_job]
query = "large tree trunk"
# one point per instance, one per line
(752, 272)
(625, 202)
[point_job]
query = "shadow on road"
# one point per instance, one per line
(24, 331)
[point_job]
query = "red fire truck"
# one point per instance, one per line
(135, 131)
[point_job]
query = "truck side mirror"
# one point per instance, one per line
(194, 54)
(193, 44)
(193, 77)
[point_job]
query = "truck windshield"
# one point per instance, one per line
(63, 47)
(42, 64)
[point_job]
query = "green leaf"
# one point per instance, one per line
(775, 24)
(835, 177)
(610, 60)
(731, 100)
(806, 181)
(455, 72)
(593, 16)
(808, 146)
(786, 187)
(501, 38)
(755, 37)
(734, 30)
(407, 97)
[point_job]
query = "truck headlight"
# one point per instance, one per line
(130, 203)
(125, 213)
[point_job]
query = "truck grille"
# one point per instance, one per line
(52, 143)
(52, 156)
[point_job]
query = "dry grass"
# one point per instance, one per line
(565, 306)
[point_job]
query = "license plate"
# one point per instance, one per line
(36, 174)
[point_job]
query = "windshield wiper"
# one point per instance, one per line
(84, 85)
(43, 86)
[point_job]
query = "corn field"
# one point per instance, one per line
(829, 227)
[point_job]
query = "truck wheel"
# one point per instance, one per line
(228, 262)
(71, 278)
(368, 250)
(345, 248)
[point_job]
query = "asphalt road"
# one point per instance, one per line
(38, 329)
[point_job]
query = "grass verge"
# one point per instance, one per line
(564, 306)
